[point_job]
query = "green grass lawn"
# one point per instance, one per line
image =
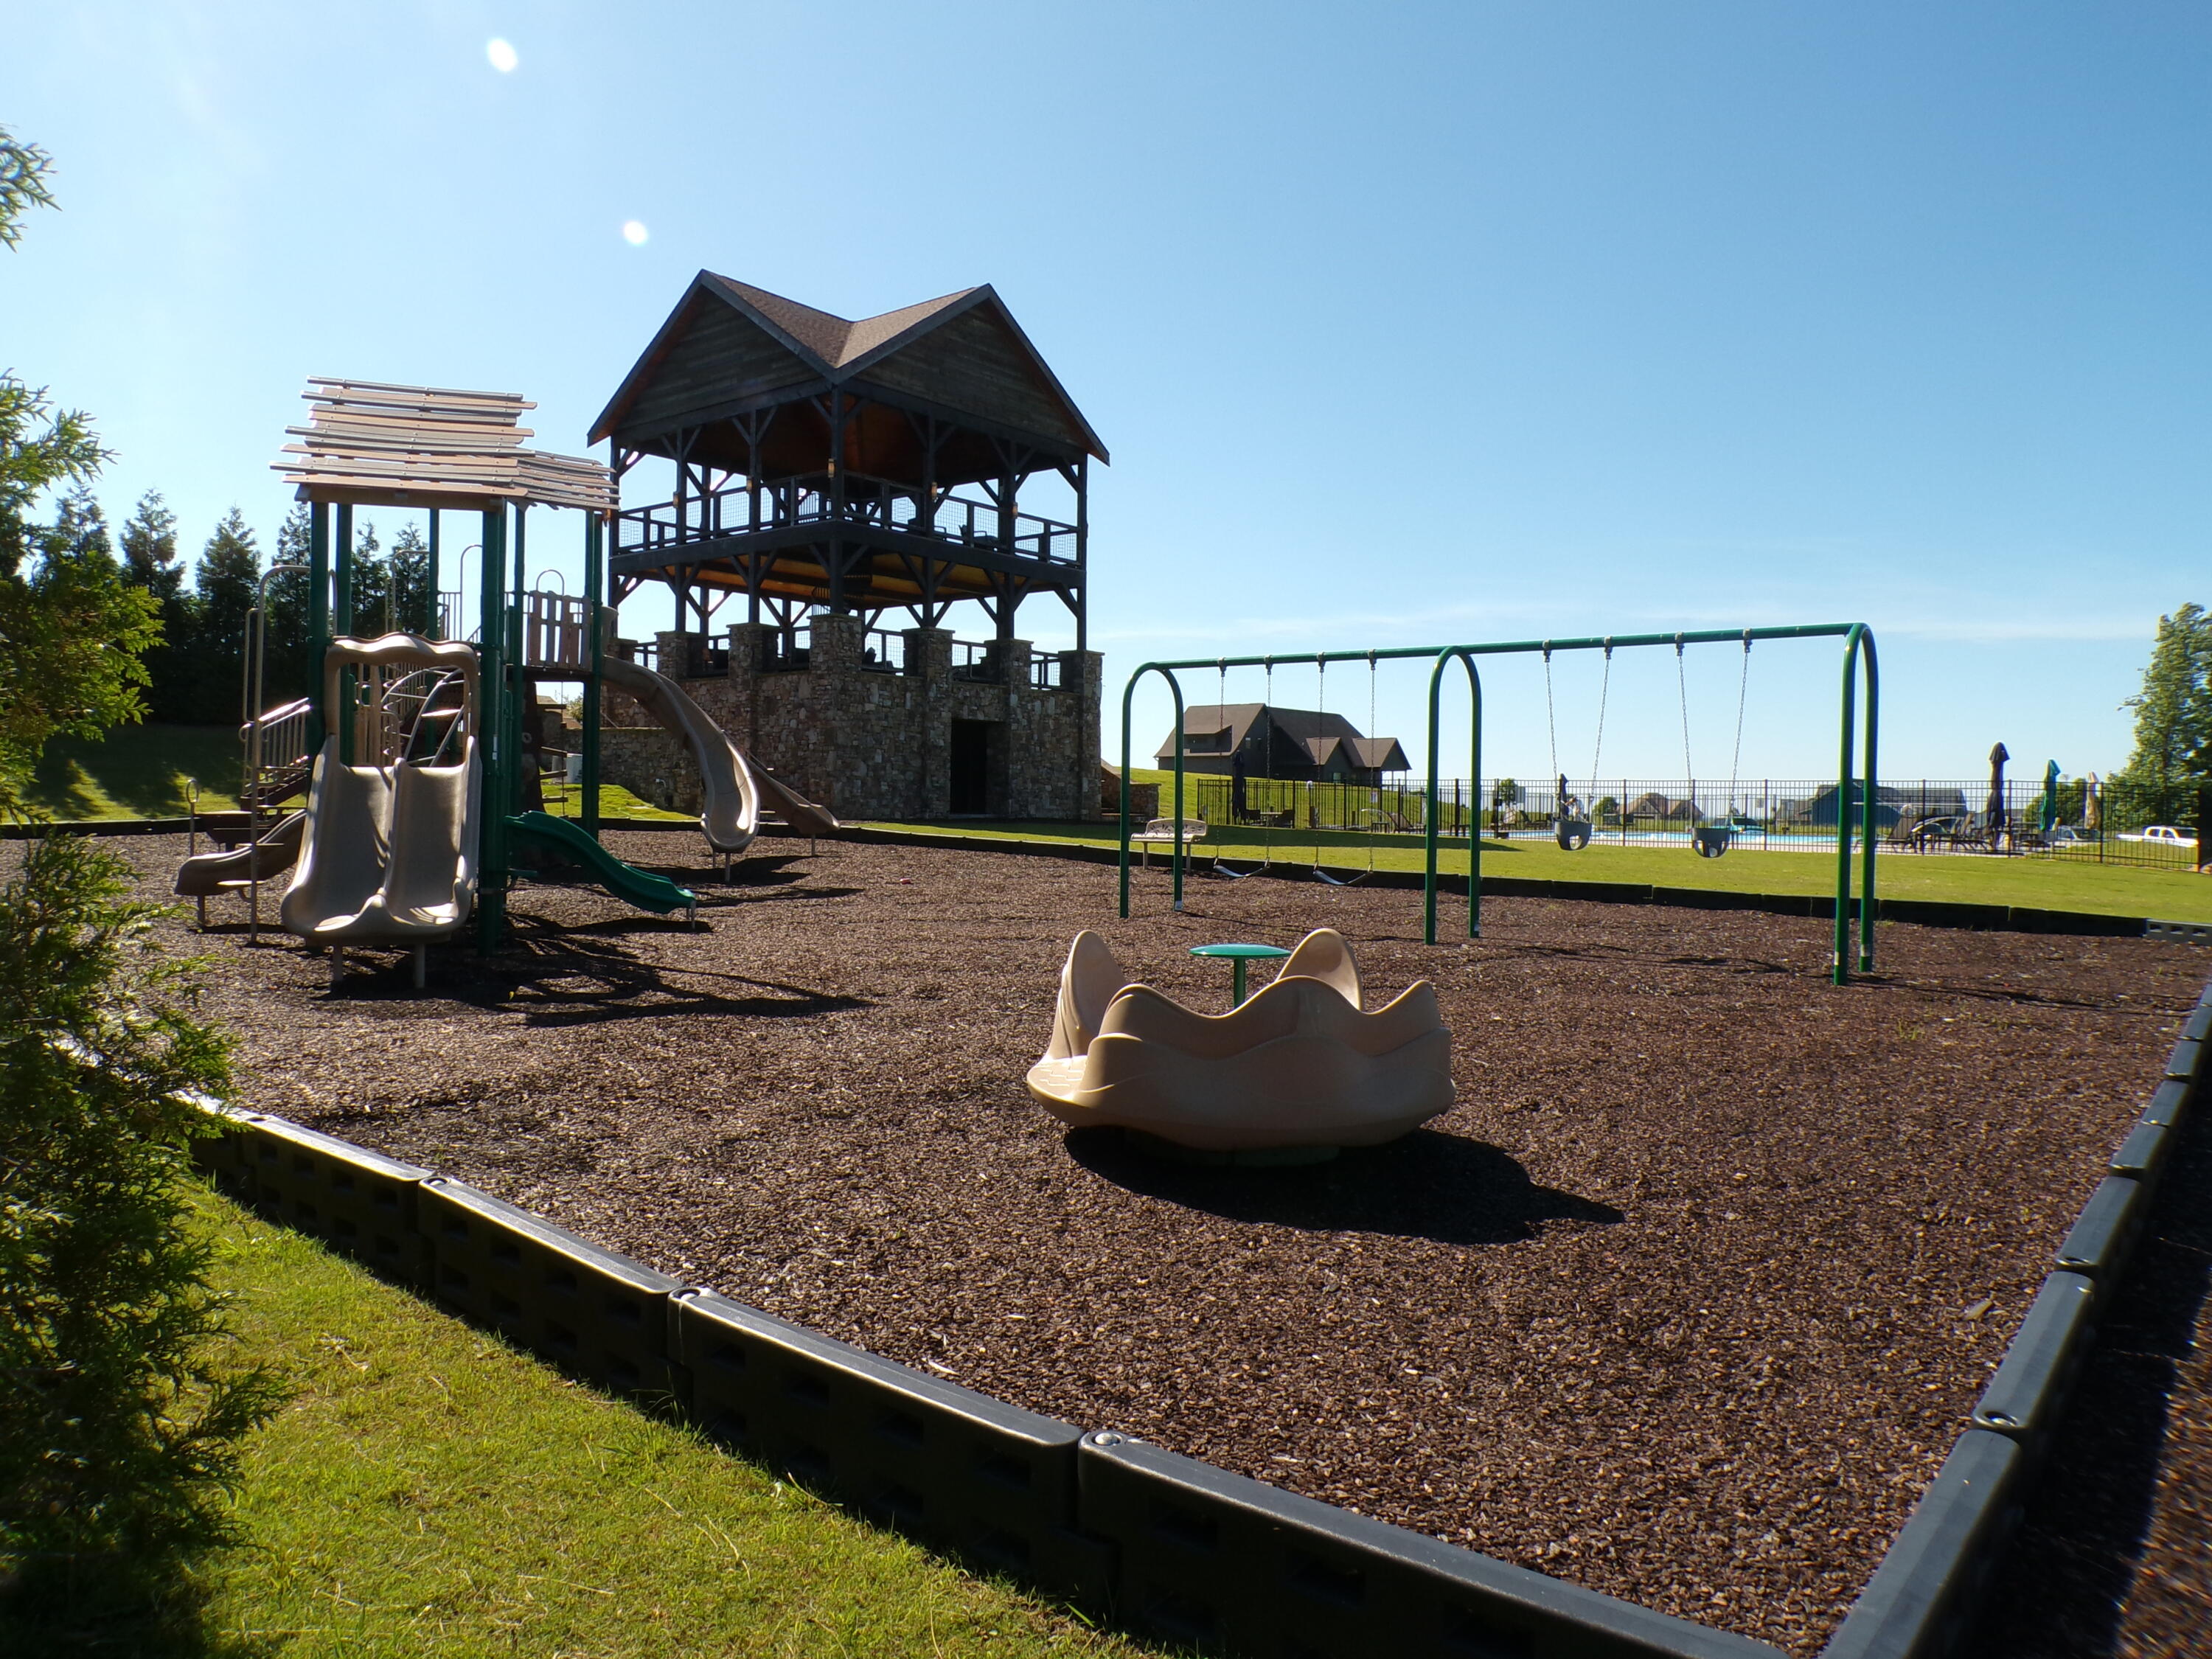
(138, 772)
(2038, 884)
(431, 1490)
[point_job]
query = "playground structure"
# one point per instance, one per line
(1293, 1074)
(411, 754)
(1856, 791)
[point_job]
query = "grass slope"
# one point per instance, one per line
(432, 1491)
(2039, 883)
(138, 772)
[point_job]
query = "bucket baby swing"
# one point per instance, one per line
(1573, 818)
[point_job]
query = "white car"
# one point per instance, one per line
(2165, 833)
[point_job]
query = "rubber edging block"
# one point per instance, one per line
(353, 1199)
(2198, 1026)
(593, 1313)
(956, 1468)
(2143, 1152)
(2185, 1061)
(1215, 1559)
(2096, 1245)
(2168, 1102)
(2025, 1396)
(1922, 1593)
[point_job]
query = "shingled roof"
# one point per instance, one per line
(1320, 734)
(694, 367)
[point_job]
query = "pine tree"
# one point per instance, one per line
(414, 606)
(2174, 711)
(149, 563)
(372, 584)
(287, 669)
(229, 567)
(79, 530)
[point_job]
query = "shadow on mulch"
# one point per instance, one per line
(1444, 1188)
(557, 976)
(2088, 1573)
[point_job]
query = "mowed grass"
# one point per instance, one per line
(431, 1490)
(138, 772)
(2028, 883)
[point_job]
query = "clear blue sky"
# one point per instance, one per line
(1403, 323)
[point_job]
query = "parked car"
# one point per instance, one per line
(2065, 835)
(2167, 834)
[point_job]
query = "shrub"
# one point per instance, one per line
(119, 1427)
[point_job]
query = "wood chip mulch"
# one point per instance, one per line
(1685, 1301)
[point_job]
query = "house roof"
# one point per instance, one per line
(1319, 733)
(838, 349)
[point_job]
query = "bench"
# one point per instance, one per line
(1163, 831)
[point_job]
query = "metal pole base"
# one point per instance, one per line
(337, 964)
(422, 954)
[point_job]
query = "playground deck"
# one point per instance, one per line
(1684, 1301)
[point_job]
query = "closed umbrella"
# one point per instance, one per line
(1993, 815)
(2093, 804)
(2050, 795)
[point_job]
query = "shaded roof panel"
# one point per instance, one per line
(1027, 396)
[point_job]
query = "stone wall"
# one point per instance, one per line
(874, 741)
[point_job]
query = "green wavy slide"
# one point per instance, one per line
(625, 881)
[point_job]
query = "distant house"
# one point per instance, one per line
(1890, 806)
(1296, 744)
(1653, 804)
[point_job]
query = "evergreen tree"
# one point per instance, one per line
(2174, 710)
(150, 564)
(79, 530)
(229, 566)
(286, 669)
(414, 606)
(372, 584)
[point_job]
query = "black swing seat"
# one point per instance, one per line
(1711, 840)
(1572, 834)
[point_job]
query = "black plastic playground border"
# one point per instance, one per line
(1165, 1544)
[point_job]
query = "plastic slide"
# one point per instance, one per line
(736, 789)
(389, 851)
(625, 881)
(210, 872)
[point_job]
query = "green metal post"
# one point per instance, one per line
(594, 666)
(1175, 690)
(519, 697)
(318, 619)
(1474, 777)
(491, 735)
(341, 625)
(1866, 905)
(429, 618)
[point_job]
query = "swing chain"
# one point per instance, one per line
(1604, 690)
(1682, 688)
(1743, 688)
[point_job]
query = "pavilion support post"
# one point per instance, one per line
(521, 702)
(594, 668)
(491, 733)
(318, 619)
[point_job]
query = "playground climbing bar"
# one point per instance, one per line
(1859, 668)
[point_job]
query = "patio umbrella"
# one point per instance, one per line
(1993, 815)
(2093, 804)
(2050, 795)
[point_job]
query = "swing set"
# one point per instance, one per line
(1852, 792)
(1270, 813)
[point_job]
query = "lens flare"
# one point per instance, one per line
(634, 234)
(502, 55)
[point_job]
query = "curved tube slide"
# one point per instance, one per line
(737, 790)
(1299, 1065)
(211, 872)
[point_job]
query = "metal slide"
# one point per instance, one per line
(390, 853)
(737, 791)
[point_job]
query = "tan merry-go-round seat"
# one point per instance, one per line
(1300, 1065)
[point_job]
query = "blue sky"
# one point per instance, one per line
(1404, 323)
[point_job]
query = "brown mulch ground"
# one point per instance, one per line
(1684, 1301)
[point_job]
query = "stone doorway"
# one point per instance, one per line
(973, 742)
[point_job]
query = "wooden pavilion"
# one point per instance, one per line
(820, 461)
